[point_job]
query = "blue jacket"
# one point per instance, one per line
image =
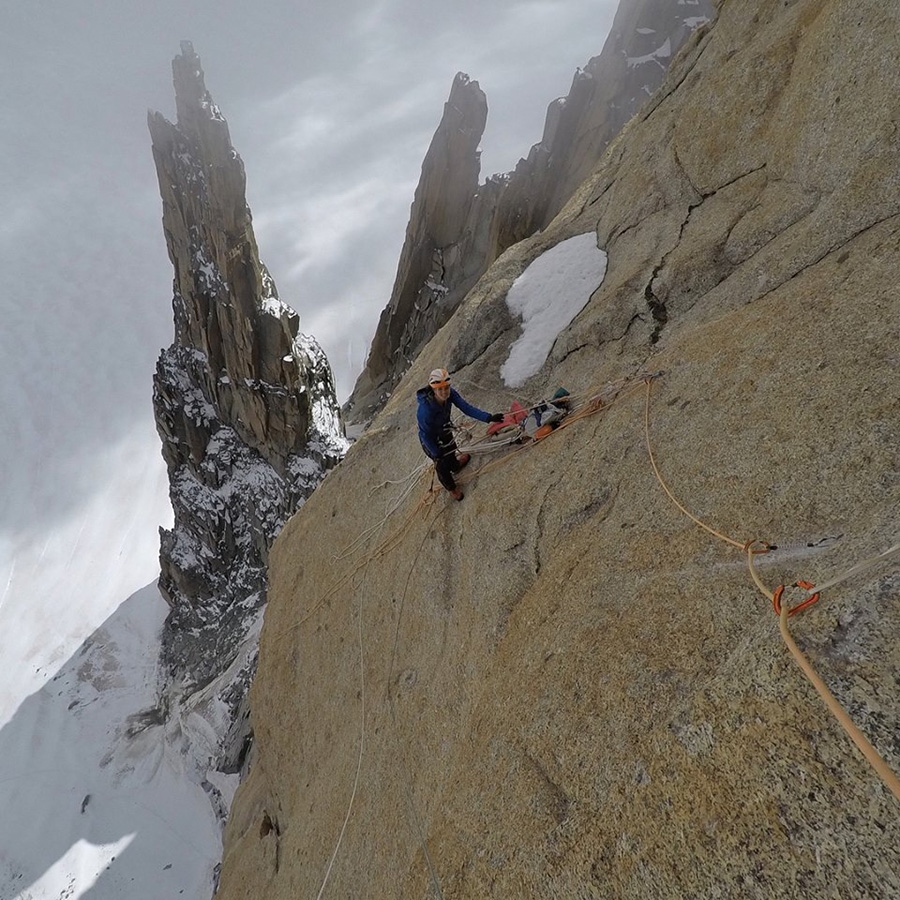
(434, 418)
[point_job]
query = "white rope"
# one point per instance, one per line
(362, 738)
(405, 779)
(489, 446)
(859, 567)
(414, 474)
(411, 482)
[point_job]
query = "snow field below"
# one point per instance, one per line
(97, 799)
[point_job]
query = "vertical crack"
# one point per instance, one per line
(539, 525)
(657, 307)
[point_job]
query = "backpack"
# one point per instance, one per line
(546, 416)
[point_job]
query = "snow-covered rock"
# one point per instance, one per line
(246, 409)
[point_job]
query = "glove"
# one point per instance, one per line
(496, 417)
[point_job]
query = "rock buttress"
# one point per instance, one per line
(245, 406)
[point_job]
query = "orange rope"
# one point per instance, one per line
(753, 548)
(739, 544)
(784, 612)
(834, 706)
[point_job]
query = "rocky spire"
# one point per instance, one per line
(245, 405)
(444, 251)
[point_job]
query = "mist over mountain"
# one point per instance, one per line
(86, 312)
(458, 227)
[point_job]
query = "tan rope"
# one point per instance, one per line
(739, 544)
(855, 735)
(592, 405)
(755, 547)
(386, 546)
(405, 780)
(410, 482)
(862, 742)
(752, 548)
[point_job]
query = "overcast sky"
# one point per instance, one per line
(332, 106)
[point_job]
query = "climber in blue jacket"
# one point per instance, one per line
(435, 404)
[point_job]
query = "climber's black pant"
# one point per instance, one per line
(447, 463)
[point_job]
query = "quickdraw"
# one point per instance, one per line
(776, 598)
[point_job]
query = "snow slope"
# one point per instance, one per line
(96, 800)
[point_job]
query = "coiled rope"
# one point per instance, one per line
(410, 483)
(597, 401)
(382, 549)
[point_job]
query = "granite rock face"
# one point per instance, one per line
(457, 227)
(245, 407)
(563, 686)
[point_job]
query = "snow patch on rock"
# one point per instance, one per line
(547, 296)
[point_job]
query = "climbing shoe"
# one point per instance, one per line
(463, 459)
(457, 494)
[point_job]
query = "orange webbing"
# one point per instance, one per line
(807, 585)
(753, 548)
(862, 742)
(591, 406)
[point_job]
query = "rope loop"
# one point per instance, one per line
(792, 611)
(764, 547)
